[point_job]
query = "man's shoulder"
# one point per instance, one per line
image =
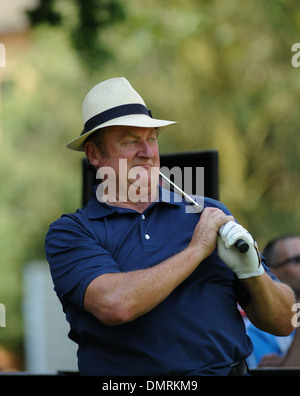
(210, 202)
(78, 217)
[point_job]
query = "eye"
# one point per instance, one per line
(129, 142)
(152, 139)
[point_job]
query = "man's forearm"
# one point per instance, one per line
(271, 305)
(122, 297)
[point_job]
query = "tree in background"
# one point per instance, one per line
(86, 20)
(222, 70)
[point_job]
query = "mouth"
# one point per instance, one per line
(146, 173)
(146, 166)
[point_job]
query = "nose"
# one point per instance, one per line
(145, 150)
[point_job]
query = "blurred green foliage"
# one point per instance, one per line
(86, 20)
(221, 69)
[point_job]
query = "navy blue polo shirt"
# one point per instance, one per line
(196, 330)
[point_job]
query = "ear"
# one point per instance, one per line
(92, 153)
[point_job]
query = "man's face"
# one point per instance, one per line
(138, 148)
(290, 272)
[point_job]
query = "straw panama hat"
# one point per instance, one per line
(114, 102)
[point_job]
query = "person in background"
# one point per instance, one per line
(283, 258)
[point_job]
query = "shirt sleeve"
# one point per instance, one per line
(75, 258)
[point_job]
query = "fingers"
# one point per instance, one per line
(216, 218)
(231, 232)
(206, 231)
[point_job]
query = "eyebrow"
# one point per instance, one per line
(137, 135)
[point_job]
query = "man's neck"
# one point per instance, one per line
(137, 206)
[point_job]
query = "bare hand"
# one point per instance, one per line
(206, 231)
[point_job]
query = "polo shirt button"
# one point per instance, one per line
(143, 217)
(147, 236)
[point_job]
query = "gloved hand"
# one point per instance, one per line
(244, 265)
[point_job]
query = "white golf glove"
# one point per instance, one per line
(244, 265)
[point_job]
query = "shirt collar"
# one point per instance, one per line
(96, 209)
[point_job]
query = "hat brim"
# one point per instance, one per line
(140, 121)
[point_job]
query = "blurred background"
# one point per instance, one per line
(221, 69)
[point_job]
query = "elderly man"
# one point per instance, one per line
(147, 287)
